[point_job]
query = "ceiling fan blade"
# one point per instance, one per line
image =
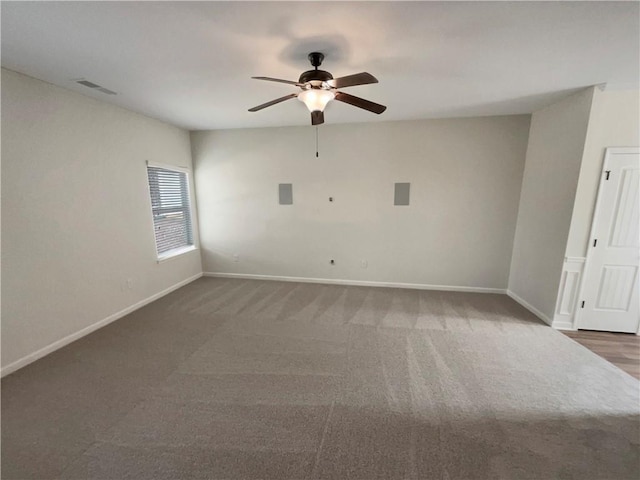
(273, 102)
(269, 79)
(360, 102)
(363, 78)
(317, 118)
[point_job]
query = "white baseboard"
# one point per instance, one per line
(359, 283)
(562, 325)
(530, 307)
(32, 357)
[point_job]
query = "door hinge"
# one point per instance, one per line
(582, 305)
(607, 172)
(595, 241)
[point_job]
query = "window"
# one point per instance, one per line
(169, 189)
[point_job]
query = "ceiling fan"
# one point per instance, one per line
(318, 88)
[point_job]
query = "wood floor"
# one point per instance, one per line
(621, 349)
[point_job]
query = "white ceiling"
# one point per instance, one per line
(190, 63)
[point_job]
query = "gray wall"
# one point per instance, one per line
(465, 177)
(554, 156)
(76, 214)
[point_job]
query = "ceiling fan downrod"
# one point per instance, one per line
(316, 59)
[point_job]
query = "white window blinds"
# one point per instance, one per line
(171, 209)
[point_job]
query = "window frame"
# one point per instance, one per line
(178, 251)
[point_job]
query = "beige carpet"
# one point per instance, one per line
(241, 379)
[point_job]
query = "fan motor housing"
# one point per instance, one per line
(315, 75)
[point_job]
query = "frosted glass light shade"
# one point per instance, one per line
(316, 99)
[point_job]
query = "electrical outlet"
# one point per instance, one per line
(129, 284)
(236, 257)
(364, 264)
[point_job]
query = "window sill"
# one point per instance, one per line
(176, 252)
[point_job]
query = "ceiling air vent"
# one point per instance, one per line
(95, 86)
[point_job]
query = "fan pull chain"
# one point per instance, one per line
(316, 141)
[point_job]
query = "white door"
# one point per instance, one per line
(610, 288)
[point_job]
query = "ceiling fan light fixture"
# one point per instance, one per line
(319, 88)
(316, 99)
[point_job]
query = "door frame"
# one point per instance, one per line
(609, 152)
